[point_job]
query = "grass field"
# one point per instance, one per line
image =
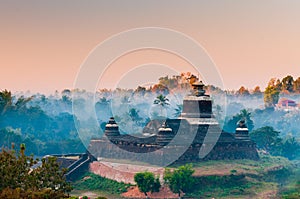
(270, 177)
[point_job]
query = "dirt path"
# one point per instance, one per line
(89, 194)
(269, 194)
(163, 193)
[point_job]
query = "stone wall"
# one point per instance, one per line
(122, 172)
(222, 150)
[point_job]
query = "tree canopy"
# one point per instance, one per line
(266, 138)
(271, 94)
(146, 182)
(25, 177)
(180, 180)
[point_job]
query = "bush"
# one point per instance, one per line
(95, 182)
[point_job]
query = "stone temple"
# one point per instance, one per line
(194, 136)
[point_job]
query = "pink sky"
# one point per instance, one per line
(43, 44)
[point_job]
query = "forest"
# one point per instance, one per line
(47, 125)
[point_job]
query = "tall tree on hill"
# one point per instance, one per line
(5, 101)
(287, 83)
(243, 91)
(257, 91)
(278, 85)
(271, 94)
(297, 85)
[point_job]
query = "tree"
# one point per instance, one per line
(246, 115)
(180, 180)
(287, 83)
(125, 100)
(104, 100)
(160, 88)
(8, 136)
(146, 182)
(134, 114)
(257, 91)
(178, 110)
(192, 79)
(5, 101)
(7, 104)
(162, 101)
(243, 91)
(290, 148)
(21, 177)
(278, 85)
(140, 90)
(267, 139)
(297, 85)
(271, 95)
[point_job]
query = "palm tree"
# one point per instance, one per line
(5, 100)
(246, 115)
(178, 110)
(162, 101)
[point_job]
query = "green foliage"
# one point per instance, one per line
(231, 124)
(243, 91)
(91, 182)
(19, 178)
(146, 182)
(256, 91)
(5, 101)
(134, 114)
(233, 171)
(292, 192)
(287, 83)
(290, 148)
(271, 95)
(291, 189)
(178, 110)
(250, 179)
(24, 121)
(9, 136)
(268, 139)
(161, 100)
(297, 85)
(180, 180)
(227, 186)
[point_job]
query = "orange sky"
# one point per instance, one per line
(43, 44)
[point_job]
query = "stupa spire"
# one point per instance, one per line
(198, 88)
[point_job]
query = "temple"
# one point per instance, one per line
(194, 136)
